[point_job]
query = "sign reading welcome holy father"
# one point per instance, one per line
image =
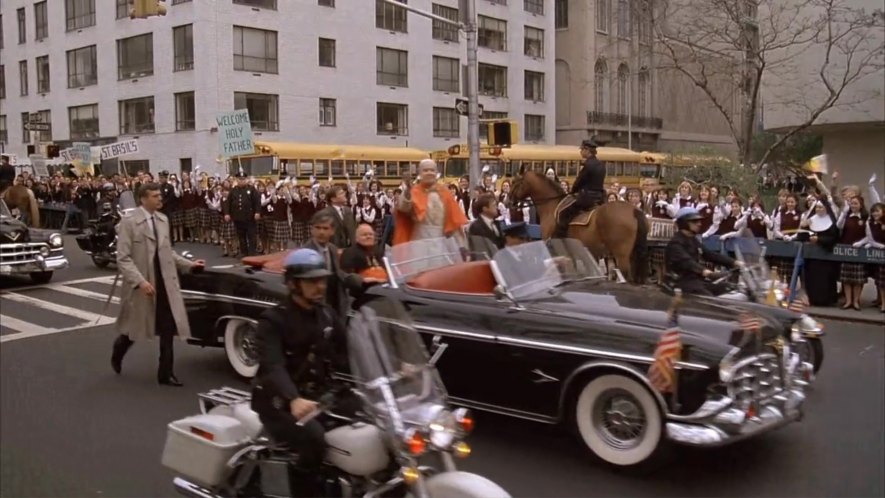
(234, 133)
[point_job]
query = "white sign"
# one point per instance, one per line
(234, 133)
(83, 152)
(39, 165)
(67, 155)
(118, 149)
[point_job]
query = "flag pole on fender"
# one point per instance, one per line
(662, 373)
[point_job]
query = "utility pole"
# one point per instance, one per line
(468, 14)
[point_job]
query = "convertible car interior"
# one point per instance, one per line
(474, 278)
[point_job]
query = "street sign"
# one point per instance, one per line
(462, 107)
(118, 149)
(34, 117)
(37, 126)
(234, 133)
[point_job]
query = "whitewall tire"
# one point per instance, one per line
(241, 347)
(619, 420)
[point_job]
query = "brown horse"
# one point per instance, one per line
(614, 229)
(21, 197)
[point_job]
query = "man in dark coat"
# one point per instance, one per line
(485, 225)
(685, 256)
(345, 223)
(589, 188)
(243, 206)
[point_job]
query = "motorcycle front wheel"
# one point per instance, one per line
(101, 261)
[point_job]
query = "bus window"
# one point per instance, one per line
(290, 167)
(455, 167)
(561, 168)
(515, 165)
(305, 168)
(538, 167)
(611, 169)
(378, 167)
(650, 170)
(255, 166)
(631, 169)
(572, 168)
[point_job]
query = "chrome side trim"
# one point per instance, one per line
(605, 364)
(476, 405)
(226, 298)
(455, 333)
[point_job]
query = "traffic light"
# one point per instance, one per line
(32, 150)
(142, 9)
(52, 151)
(503, 133)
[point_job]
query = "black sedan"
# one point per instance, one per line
(546, 337)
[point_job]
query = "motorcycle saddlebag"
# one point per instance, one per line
(199, 447)
(85, 242)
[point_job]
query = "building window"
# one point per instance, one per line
(185, 112)
(392, 67)
(327, 112)
(492, 33)
(23, 77)
(82, 67)
(41, 21)
(624, 24)
(490, 115)
(135, 56)
(43, 117)
(603, 15)
(446, 123)
(183, 41)
(534, 42)
(79, 14)
(1, 30)
(4, 135)
(393, 119)
(123, 8)
(22, 27)
(644, 23)
(534, 127)
(534, 6)
(643, 93)
(186, 165)
(262, 4)
(255, 50)
(135, 167)
(560, 14)
(43, 74)
(326, 3)
(264, 109)
(137, 116)
(83, 121)
(444, 31)
(446, 74)
(534, 86)
(391, 17)
(327, 52)
(26, 134)
(600, 85)
(2, 82)
(492, 80)
(623, 88)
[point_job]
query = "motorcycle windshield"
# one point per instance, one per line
(126, 201)
(412, 258)
(528, 269)
(751, 251)
(390, 365)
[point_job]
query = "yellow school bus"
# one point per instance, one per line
(623, 165)
(301, 160)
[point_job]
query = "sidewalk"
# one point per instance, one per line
(867, 314)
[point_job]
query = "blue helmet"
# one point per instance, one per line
(305, 263)
(688, 213)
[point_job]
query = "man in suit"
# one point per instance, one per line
(485, 210)
(151, 302)
(345, 223)
(322, 228)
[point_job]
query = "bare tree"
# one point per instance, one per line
(733, 50)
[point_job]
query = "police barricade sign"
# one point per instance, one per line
(234, 133)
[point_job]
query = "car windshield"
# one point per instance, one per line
(411, 258)
(4, 210)
(580, 264)
(529, 268)
(390, 364)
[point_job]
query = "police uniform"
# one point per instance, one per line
(242, 204)
(588, 189)
(685, 256)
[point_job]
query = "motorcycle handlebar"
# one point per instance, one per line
(323, 404)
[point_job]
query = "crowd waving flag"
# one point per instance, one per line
(662, 373)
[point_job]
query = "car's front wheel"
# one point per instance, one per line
(619, 420)
(241, 347)
(41, 277)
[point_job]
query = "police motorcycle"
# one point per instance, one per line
(403, 440)
(100, 237)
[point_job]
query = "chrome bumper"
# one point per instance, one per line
(35, 264)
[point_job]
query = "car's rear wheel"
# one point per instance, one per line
(241, 347)
(41, 277)
(619, 420)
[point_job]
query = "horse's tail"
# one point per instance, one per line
(639, 255)
(34, 209)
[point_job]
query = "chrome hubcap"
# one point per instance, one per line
(619, 419)
(247, 350)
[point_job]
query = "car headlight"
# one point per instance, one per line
(442, 430)
(55, 241)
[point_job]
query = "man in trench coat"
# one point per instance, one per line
(151, 302)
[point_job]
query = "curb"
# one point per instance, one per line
(855, 319)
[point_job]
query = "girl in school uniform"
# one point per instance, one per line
(724, 227)
(191, 209)
(265, 224)
(875, 231)
(228, 232)
(755, 220)
(707, 207)
(786, 225)
(683, 197)
(279, 228)
(852, 222)
(213, 205)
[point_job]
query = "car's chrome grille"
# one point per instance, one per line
(19, 253)
(756, 377)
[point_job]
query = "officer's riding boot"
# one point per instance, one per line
(303, 483)
(565, 217)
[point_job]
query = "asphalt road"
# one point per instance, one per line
(70, 427)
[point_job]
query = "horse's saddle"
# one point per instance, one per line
(583, 218)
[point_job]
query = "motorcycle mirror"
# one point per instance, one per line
(188, 255)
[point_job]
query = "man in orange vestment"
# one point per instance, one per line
(428, 210)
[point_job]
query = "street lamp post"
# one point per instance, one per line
(468, 8)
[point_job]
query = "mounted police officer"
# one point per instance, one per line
(300, 343)
(589, 187)
(685, 256)
(243, 206)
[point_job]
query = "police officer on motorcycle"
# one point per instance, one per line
(685, 256)
(300, 343)
(589, 188)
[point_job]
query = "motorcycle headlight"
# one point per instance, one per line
(726, 371)
(795, 332)
(55, 241)
(808, 325)
(779, 294)
(442, 430)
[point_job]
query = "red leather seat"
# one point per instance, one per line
(466, 278)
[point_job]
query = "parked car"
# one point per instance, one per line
(29, 251)
(547, 337)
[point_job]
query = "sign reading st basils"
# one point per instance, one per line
(234, 133)
(118, 149)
